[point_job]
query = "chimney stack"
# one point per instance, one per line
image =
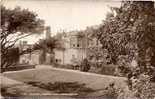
(48, 32)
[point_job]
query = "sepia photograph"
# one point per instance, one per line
(77, 49)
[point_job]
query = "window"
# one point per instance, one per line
(56, 60)
(73, 56)
(73, 45)
(78, 45)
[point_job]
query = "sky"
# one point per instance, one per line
(66, 15)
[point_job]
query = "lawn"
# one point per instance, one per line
(46, 76)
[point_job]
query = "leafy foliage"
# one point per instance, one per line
(142, 87)
(111, 91)
(12, 56)
(128, 31)
(46, 44)
(85, 65)
(16, 24)
(130, 34)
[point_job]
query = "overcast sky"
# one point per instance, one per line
(66, 14)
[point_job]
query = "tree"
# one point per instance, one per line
(16, 24)
(47, 46)
(131, 33)
(13, 56)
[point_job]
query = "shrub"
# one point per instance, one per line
(141, 88)
(85, 65)
(108, 69)
(67, 66)
(111, 92)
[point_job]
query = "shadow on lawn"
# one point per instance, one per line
(64, 87)
(73, 90)
(56, 88)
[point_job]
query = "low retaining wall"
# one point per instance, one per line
(20, 67)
